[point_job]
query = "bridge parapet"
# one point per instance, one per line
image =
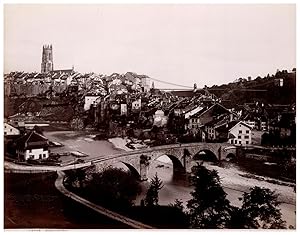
(181, 156)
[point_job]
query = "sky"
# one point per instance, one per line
(182, 44)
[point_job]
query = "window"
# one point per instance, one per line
(5, 133)
(246, 136)
(247, 131)
(239, 137)
(30, 150)
(10, 130)
(240, 142)
(231, 141)
(235, 141)
(240, 131)
(40, 156)
(247, 142)
(44, 155)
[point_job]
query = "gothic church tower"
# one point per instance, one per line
(47, 59)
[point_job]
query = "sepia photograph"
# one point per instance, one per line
(149, 116)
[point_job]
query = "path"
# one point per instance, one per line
(113, 215)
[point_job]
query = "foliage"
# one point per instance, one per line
(234, 93)
(259, 210)
(209, 207)
(113, 187)
(76, 177)
(274, 138)
(177, 204)
(152, 193)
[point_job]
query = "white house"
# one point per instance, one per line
(32, 146)
(124, 109)
(160, 119)
(242, 134)
(137, 104)
(89, 100)
(236, 132)
(10, 130)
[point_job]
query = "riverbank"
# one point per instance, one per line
(233, 184)
(235, 181)
(82, 142)
(120, 143)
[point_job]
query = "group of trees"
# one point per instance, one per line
(207, 209)
(244, 91)
(210, 209)
(114, 188)
(275, 139)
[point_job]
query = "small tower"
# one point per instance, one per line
(195, 88)
(47, 59)
(153, 85)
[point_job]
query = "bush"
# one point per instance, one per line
(113, 188)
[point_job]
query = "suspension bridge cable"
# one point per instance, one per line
(170, 83)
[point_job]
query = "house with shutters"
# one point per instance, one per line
(32, 146)
(235, 132)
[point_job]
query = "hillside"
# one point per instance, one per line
(266, 90)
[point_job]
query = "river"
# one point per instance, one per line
(232, 177)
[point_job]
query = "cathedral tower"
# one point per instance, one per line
(47, 59)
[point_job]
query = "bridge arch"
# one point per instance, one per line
(205, 155)
(132, 170)
(172, 170)
(177, 165)
(230, 157)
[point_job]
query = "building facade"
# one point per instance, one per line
(241, 134)
(10, 130)
(32, 146)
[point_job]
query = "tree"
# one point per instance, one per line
(76, 177)
(259, 210)
(209, 207)
(113, 187)
(177, 204)
(152, 193)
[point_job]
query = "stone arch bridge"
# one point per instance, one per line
(181, 155)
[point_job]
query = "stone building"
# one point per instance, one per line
(47, 59)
